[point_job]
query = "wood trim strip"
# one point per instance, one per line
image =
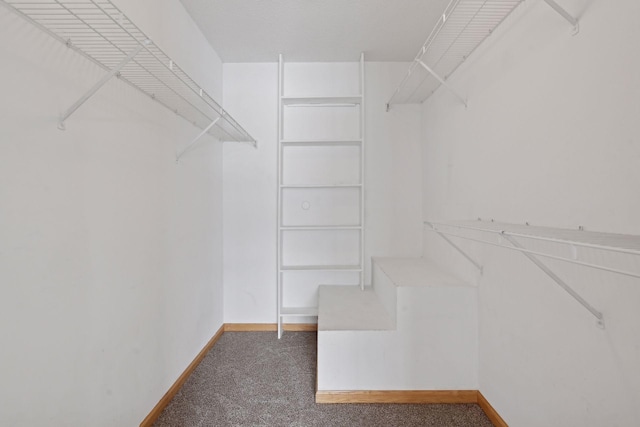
(397, 396)
(168, 396)
(491, 413)
(269, 327)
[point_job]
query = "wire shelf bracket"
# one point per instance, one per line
(99, 31)
(566, 15)
(598, 315)
(97, 86)
(197, 139)
(456, 247)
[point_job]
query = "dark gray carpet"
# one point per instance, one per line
(254, 379)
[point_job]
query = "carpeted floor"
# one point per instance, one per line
(254, 379)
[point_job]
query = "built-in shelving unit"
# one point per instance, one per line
(100, 32)
(462, 27)
(320, 183)
(565, 245)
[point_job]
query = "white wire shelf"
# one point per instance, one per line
(100, 32)
(463, 26)
(512, 236)
(624, 243)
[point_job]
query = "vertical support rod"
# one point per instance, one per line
(558, 280)
(566, 15)
(442, 81)
(362, 171)
(456, 247)
(101, 83)
(197, 138)
(279, 195)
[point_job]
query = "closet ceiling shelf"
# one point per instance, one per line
(100, 32)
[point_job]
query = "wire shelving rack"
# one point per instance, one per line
(100, 32)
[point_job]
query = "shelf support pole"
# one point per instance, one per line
(101, 83)
(442, 81)
(195, 140)
(456, 247)
(598, 315)
(566, 15)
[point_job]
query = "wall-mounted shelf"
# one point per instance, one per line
(463, 26)
(320, 101)
(321, 144)
(557, 244)
(321, 268)
(100, 32)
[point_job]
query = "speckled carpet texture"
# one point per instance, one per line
(254, 379)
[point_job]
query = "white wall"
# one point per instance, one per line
(550, 137)
(110, 253)
(393, 210)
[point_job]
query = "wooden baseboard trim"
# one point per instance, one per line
(157, 410)
(269, 327)
(491, 413)
(397, 396)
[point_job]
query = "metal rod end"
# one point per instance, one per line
(576, 29)
(388, 107)
(61, 125)
(600, 323)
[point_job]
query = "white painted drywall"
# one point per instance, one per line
(110, 253)
(551, 136)
(393, 184)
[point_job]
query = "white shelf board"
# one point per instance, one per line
(319, 227)
(311, 186)
(321, 268)
(321, 100)
(100, 32)
(320, 142)
(298, 311)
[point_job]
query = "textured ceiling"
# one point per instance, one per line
(315, 30)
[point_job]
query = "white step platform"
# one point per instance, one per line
(416, 328)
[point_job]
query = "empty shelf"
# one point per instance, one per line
(320, 142)
(322, 100)
(321, 268)
(298, 311)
